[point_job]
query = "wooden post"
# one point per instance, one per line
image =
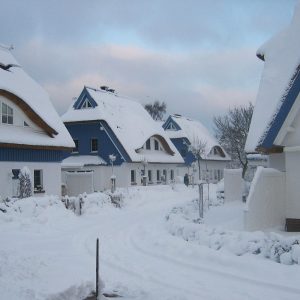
(97, 268)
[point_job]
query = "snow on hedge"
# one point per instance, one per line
(183, 222)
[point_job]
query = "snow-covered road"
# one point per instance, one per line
(139, 258)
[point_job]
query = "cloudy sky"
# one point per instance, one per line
(196, 55)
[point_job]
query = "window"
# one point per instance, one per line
(94, 145)
(171, 127)
(38, 180)
(132, 177)
(75, 150)
(25, 124)
(7, 114)
(172, 174)
(165, 175)
(86, 104)
(148, 145)
(156, 145)
(15, 182)
(149, 175)
(216, 174)
(158, 175)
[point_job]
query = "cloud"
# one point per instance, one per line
(200, 84)
(197, 56)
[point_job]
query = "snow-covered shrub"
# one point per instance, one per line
(182, 222)
(25, 183)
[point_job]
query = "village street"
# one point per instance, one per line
(52, 256)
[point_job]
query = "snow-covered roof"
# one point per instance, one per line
(76, 161)
(282, 58)
(15, 81)
(195, 131)
(129, 121)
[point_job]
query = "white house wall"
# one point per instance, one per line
(292, 184)
(51, 177)
(19, 116)
(214, 168)
(102, 174)
(265, 206)
(277, 161)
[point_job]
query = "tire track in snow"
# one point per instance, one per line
(212, 271)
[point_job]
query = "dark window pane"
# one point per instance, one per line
(148, 147)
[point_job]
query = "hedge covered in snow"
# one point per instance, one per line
(183, 222)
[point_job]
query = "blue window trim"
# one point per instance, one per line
(283, 112)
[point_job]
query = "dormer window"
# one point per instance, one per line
(156, 145)
(148, 145)
(217, 150)
(86, 104)
(171, 127)
(7, 114)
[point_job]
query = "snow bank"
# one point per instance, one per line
(183, 222)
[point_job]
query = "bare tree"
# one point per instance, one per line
(232, 130)
(197, 147)
(156, 110)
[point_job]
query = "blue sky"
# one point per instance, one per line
(197, 56)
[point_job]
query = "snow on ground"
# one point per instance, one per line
(48, 252)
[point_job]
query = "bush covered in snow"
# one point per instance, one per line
(183, 222)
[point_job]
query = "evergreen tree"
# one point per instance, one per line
(25, 183)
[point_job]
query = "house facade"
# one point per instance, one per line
(275, 130)
(115, 137)
(185, 132)
(31, 132)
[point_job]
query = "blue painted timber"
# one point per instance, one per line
(82, 97)
(283, 112)
(31, 155)
(107, 140)
(182, 145)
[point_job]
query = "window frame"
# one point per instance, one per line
(7, 114)
(148, 144)
(149, 175)
(97, 145)
(76, 149)
(133, 176)
(156, 145)
(38, 186)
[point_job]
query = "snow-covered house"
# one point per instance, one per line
(275, 130)
(31, 132)
(184, 132)
(104, 124)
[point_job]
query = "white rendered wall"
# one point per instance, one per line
(211, 166)
(277, 161)
(293, 184)
(265, 206)
(102, 174)
(51, 177)
(233, 185)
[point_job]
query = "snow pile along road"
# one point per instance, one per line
(48, 252)
(183, 221)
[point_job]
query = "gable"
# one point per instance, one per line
(170, 124)
(288, 101)
(28, 111)
(84, 101)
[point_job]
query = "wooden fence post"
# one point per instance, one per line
(97, 268)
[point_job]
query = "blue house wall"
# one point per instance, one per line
(107, 141)
(31, 155)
